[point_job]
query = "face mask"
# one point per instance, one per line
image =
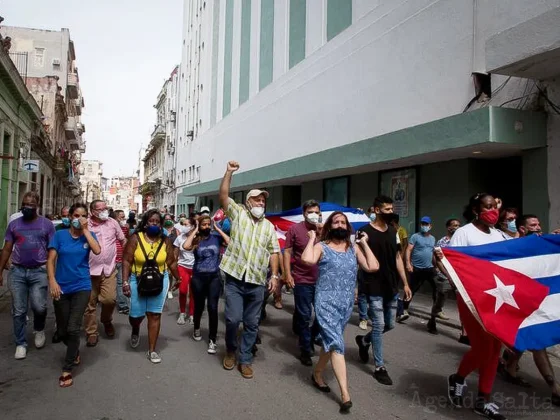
(534, 232)
(104, 215)
(425, 229)
(76, 224)
(312, 218)
(386, 217)
(512, 227)
(168, 223)
(373, 217)
(489, 217)
(204, 232)
(28, 213)
(122, 223)
(257, 212)
(339, 233)
(153, 230)
(65, 221)
(451, 231)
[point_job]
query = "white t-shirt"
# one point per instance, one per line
(186, 258)
(470, 235)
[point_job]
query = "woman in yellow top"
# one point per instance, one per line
(149, 235)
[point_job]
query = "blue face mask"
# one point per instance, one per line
(512, 227)
(153, 230)
(76, 224)
(372, 217)
(66, 221)
(425, 229)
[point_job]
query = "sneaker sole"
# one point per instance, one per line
(449, 397)
(136, 345)
(226, 367)
(197, 338)
(212, 351)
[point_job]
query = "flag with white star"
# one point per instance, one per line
(512, 288)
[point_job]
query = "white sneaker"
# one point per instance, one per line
(363, 324)
(212, 347)
(191, 320)
(40, 339)
(154, 357)
(170, 295)
(21, 352)
(197, 335)
(182, 320)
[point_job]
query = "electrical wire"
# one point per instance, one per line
(552, 104)
(517, 99)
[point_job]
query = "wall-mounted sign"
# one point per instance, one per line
(30, 165)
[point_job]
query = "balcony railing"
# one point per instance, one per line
(20, 60)
(71, 128)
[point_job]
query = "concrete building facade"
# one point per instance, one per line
(92, 181)
(46, 60)
(343, 100)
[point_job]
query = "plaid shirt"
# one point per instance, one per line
(250, 246)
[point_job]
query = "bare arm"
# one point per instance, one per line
(224, 236)
(92, 242)
(408, 254)
(4, 257)
(288, 278)
(232, 166)
(402, 274)
(312, 252)
(188, 244)
(365, 257)
(128, 261)
(171, 263)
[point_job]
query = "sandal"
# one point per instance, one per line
(78, 360)
(65, 380)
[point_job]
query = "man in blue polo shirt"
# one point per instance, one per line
(420, 264)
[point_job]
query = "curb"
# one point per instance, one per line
(422, 314)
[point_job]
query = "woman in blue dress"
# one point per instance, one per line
(334, 294)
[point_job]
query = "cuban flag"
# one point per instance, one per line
(512, 288)
(282, 221)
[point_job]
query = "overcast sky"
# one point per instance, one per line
(125, 50)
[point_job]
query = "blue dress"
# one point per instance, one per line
(334, 295)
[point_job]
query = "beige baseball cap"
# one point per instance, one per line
(256, 193)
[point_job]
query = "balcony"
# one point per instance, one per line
(60, 167)
(71, 128)
(82, 145)
(158, 134)
(73, 88)
(79, 104)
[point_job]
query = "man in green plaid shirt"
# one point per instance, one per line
(253, 246)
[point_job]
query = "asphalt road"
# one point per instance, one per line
(116, 382)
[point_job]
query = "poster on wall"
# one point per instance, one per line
(399, 194)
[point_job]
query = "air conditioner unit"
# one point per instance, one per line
(56, 62)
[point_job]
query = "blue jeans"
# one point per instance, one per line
(304, 298)
(122, 300)
(28, 285)
(243, 304)
(362, 306)
(382, 313)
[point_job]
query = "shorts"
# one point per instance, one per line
(140, 305)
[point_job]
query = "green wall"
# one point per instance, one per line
(226, 108)
(245, 53)
(339, 17)
(363, 189)
(297, 31)
(266, 43)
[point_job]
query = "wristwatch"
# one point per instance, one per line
(275, 276)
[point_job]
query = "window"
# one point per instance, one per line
(39, 57)
(335, 190)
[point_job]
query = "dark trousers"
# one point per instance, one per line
(69, 312)
(417, 278)
(206, 288)
(304, 298)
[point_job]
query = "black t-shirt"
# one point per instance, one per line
(384, 282)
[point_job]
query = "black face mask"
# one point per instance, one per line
(339, 233)
(204, 232)
(386, 217)
(28, 213)
(533, 232)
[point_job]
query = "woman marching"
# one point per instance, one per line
(70, 283)
(148, 258)
(206, 284)
(334, 296)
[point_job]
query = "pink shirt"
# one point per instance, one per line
(108, 233)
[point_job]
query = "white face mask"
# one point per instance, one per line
(312, 218)
(123, 223)
(104, 215)
(257, 212)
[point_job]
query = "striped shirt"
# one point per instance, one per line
(120, 249)
(250, 246)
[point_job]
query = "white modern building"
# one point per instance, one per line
(426, 101)
(158, 185)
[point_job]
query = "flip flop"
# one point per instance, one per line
(65, 381)
(78, 360)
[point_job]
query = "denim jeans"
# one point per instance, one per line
(382, 313)
(362, 306)
(69, 311)
(243, 304)
(304, 298)
(122, 300)
(206, 288)
(28, 284)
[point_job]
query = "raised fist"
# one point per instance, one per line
(232, 166)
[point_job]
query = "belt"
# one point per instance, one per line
(29, 267)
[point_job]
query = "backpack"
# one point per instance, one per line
(150, 279)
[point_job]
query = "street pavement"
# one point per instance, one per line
(116, 382)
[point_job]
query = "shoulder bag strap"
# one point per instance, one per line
(142, 247)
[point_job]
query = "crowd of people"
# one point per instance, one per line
(99, 258)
